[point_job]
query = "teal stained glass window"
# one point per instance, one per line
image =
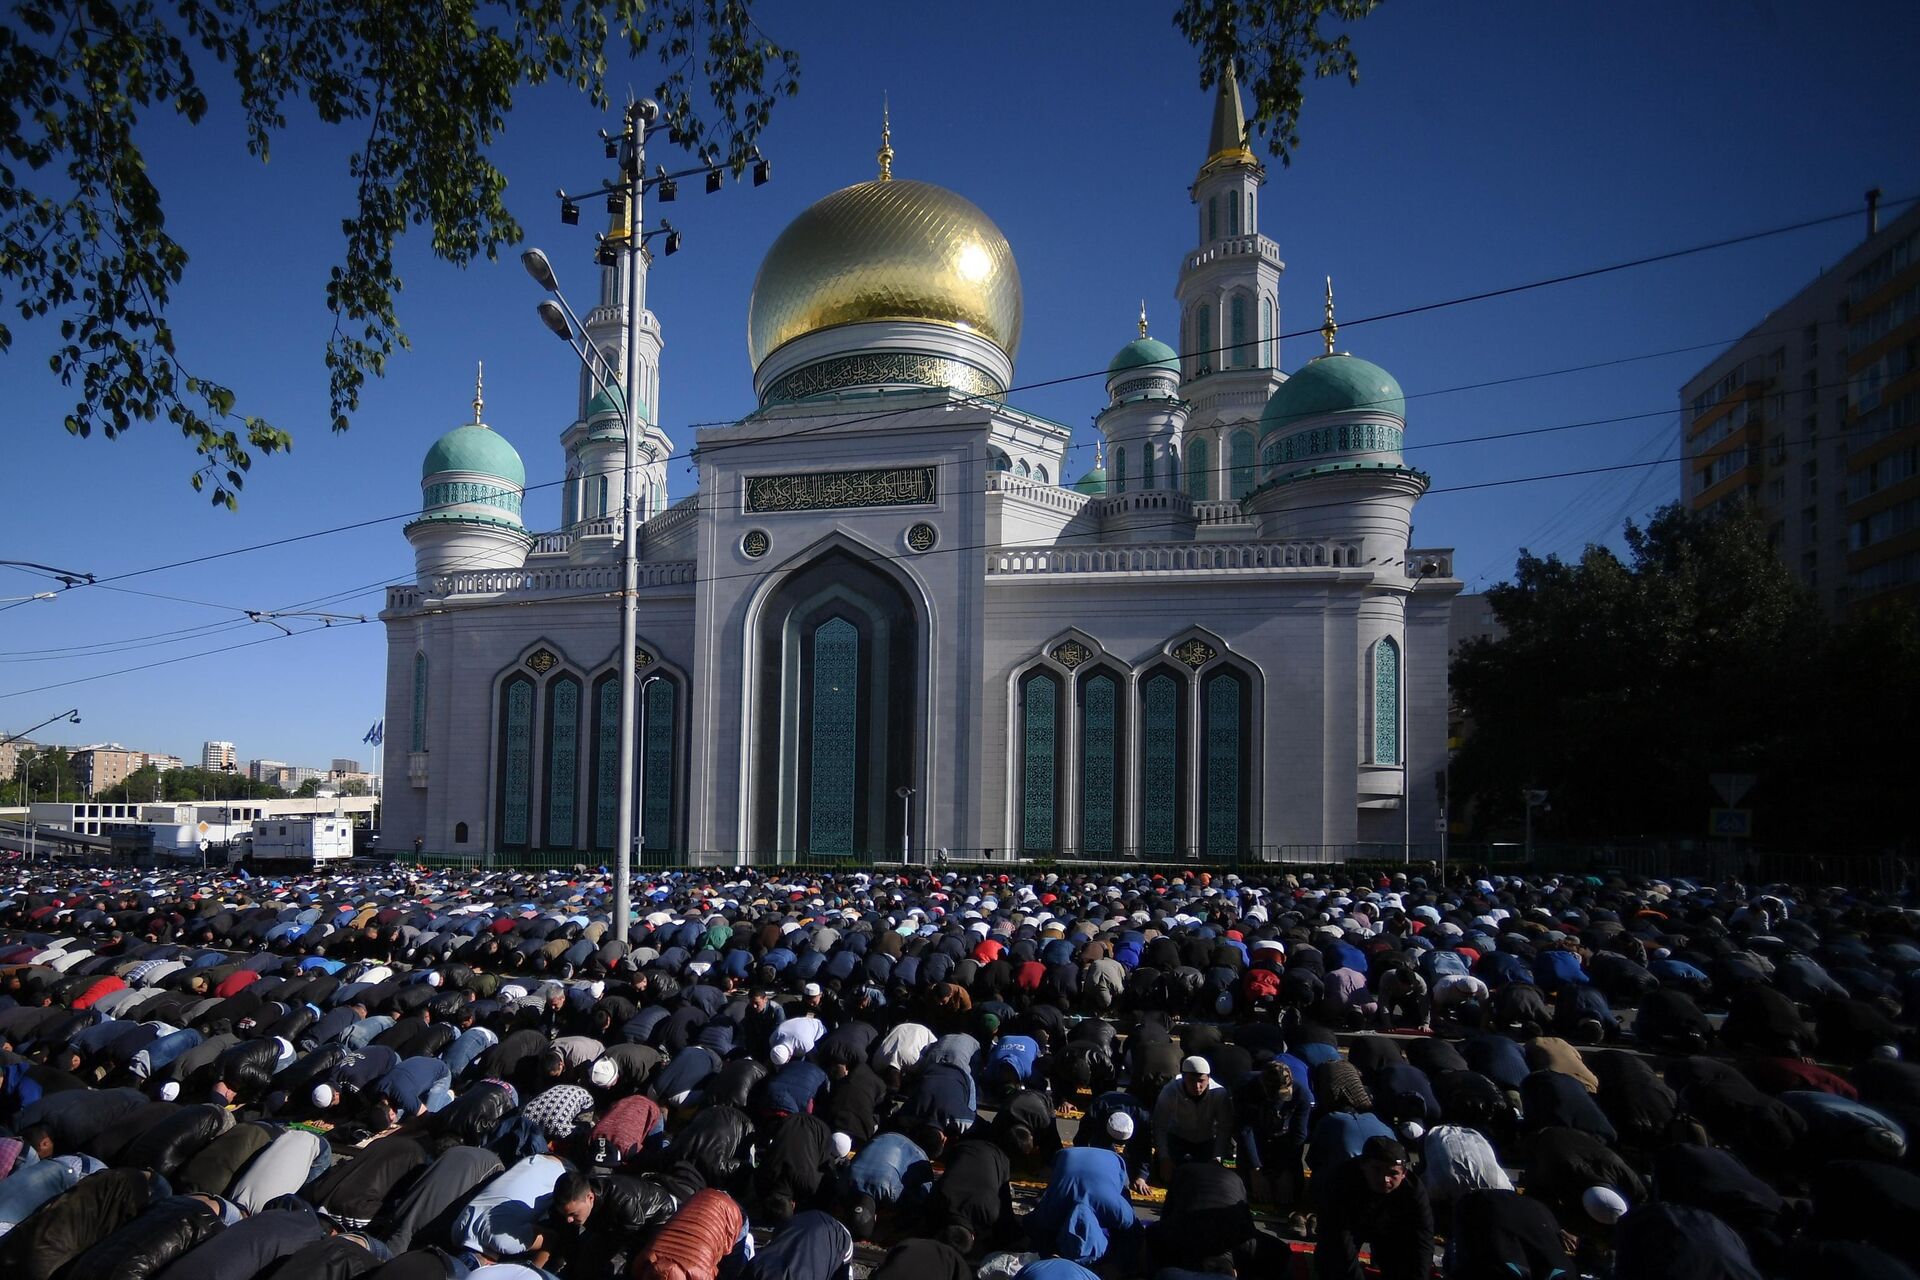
(1199, 470)
(1203, 349)
(1148, 477)
(419, 738)
(656, 807)
(606, 764)
(1238, 322)
(1233, 214)
(563, 761)
(836, 703)
(516, 763)
(1226, 744)
(1242, 463)
(1099, 764)
(1386, 702)
(1267, 359)
(1040, 716)
(1160, 761)
(1119, 470)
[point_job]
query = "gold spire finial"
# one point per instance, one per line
(1099, 455)
(479, 380)
(886, 140)
(1143, 317)
(1328, 329)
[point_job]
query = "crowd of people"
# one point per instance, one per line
(942, 1075)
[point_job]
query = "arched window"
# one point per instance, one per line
(1101, 736)
(1040, 474)
(1023, 469)
(604, 777)
(1226, 766)
(659, 730)
(1041, 743)
(419, 737)
(1266, 360)
(1199, 474)
(1203, 347)
(1001, 462)
(563, 762)
(570, 497)
(1213, 218)
(1253, 223)
(1163, 762)
(1386, 702)
(459, 833)
(603, 496)
(1148, 478)
(514, 781)
(1242, 464)
(835, 722)
(1233, 214)
(1173, 468)
(1120, 470)
(1237, 319)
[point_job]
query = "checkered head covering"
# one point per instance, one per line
(559, 1110)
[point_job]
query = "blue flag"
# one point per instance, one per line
(376, 733)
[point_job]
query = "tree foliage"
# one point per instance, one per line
(1274, 45)
(174, 785)
(427, 87)
(1620, 686)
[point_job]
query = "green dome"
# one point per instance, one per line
(476, 449)
(1094, 483)
(1333, 384)
(612, 400)
(1145, 353)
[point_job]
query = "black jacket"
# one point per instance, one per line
(151, 1242)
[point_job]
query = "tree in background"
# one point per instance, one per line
(427, 88)
(145, 785)
(43, 775)
(1620, 686)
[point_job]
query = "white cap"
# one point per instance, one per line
(810, 990)
(323, 1095)
(781, 1053)
(603, 1073)
(433, 978)
(1603, 1204)
(842, 1145)
(1120, 1126)
(169, 1091)
(1195, 1066)
(1413, 1131)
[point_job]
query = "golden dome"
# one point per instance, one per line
(886, 250)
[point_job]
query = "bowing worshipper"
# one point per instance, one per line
(1372, 1200)
(1084, 1214)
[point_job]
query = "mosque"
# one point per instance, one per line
(888, 623)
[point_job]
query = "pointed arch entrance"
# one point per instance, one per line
(836, 730)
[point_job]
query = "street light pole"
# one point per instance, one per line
(906, 824)
(633, 168)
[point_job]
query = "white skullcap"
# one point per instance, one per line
(1120, 1127)
(1195, 1066)
(169, 1091)
(1413, 1131)
(811, 990)
(842, 1146)
(323, 1095)
(1603, 1204)
(781, 1053)
(603, 1073)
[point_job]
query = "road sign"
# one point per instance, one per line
(1730, 824)
(1733, 787)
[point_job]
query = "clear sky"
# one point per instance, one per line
(1487, 144)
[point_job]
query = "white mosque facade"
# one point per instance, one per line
(885, 623)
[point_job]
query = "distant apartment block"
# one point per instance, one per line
(1813, 419)
(342, 765)
(218, 755)
(104, 766)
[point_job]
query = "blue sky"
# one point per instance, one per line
(1487, 144)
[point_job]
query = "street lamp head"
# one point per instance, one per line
(673, 243)
(713, 181)
(540, 269)
(762, 170)
(569, 213)
(555, 319)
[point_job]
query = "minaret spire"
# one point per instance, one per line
(1143, 317)
(1229, 135)
(479, 381)
(886, 140)
(1328, 329)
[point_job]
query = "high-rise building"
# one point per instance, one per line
(217, 755)
(1813, 418)
(343, 765)
(265, 770)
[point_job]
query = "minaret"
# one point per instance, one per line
(1229, 296)
(596, 443)
(1143, 426)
